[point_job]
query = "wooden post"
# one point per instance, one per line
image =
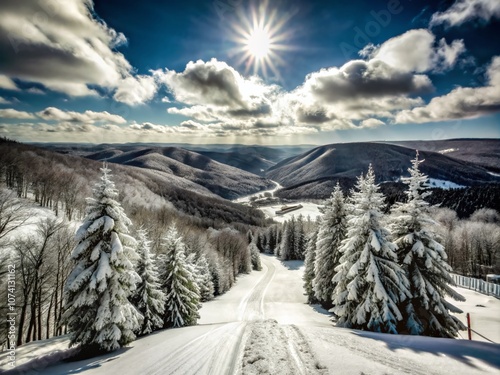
(468, 327)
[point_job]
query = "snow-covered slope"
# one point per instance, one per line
(263, 325)
(222, 179)
(314, 173)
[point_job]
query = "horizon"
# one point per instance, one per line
(262, 145)
(249, 72)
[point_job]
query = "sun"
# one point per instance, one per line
(259, 43)
(260, 36)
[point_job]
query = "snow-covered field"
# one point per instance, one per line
(308, 209)
(263, 325)
(434, 182)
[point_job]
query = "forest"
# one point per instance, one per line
(43, 200)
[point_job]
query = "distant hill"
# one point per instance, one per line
(255, 159)
(221, 179)
(148, 188)
(248, 162)
(484, 152)
(314, 173)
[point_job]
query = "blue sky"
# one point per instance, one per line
(257, 72)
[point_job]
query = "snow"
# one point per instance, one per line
(308, 208)
(443, 184)
(237, 334)
(247, 198)
(484, 312)
(345, 351)
(37, 354)
(448, 150)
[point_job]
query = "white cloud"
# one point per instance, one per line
(35, 90)
(61, 45)
(460, 103)
(214, 83)
(71, 48)
(4, 101)
(463, 11)
(334, 98)
(371, 123)
(417, 51)
(7, 84)
(136, 90)
(88, 117)
(15, 114)
(214, 95)
(364, 79)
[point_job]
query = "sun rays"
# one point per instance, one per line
(261, 37)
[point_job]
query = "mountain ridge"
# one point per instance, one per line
(316, 171)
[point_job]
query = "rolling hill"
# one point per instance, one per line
(314, 173)
(251, 158)
(140, 187)
(221, 179)
(484, 152)
(254, 159)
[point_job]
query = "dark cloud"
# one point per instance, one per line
(313, 116)
(212, 82)
(261, 110)
(362, 79)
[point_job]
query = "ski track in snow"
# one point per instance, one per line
(263, 325)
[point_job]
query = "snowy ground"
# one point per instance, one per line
(263, 325)
(308, 209)
(484, 314)
(443, 184)
(247, 198)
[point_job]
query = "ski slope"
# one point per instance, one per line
(263, 325)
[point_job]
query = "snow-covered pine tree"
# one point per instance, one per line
(300, 240)
(287, 244)
(178, 282)
(332, 231)
(309, 265)
(255, 256)
(424, 260)
(98, 312)
(202, 275)
(369, 282)
(274, 238)
(148, 297)
(206, 284)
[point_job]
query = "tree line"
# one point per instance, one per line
(383, 262)
(382, 273)
(159, 258)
